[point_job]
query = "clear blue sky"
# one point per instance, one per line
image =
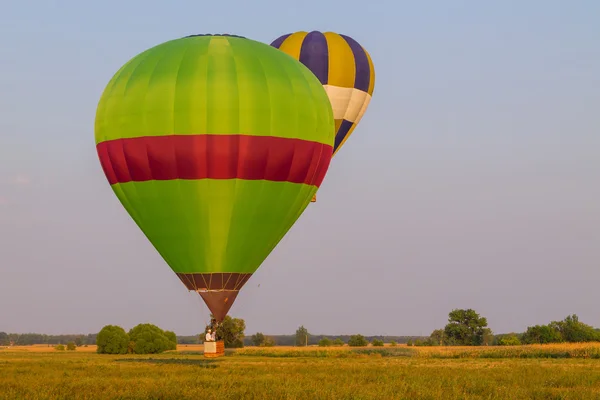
(472, 181)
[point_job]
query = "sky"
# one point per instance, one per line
(471, 182)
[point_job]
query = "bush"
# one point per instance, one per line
(409, 342)
(357, 341)
(149, 339)
(112, 339)
(509, 340)
(325, 342)
(393, 343)
(60, 347)
(71, 346)
(377, 343)
(172, 339)
(268, 342)
(338, 342)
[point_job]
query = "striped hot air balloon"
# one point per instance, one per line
(214, 145)
(345, 70)
(343, 67)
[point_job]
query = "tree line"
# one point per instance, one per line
(468, 328)
(28, 339)
(465, 327)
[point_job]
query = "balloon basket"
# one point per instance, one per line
(214, 349)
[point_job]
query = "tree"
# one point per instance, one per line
(542, 334)
(78, 341)
(465, 328)
(71, 346)
(268, 342)
(148, 339)
(487, 337)
(325, 342)
(59, 347)
(357, 341)
(172, 339)
(4, 341)
(572, 330)
(112, 339)
(257, 339)
(231, 331)
(377, 343)
(437, 337)
(509, 340)
(302, 336)
(393, 343)
(338, 342)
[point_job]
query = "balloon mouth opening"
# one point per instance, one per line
(204, 290)
(215, 34)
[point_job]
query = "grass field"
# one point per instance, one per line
(523, 372)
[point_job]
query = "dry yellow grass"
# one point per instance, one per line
(39, 372)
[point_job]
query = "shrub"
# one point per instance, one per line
(112, 339)
(510, 340)
(338, 342)
(149, 339)
(268, 342)
(172, 339)
(409, 342)
(393, 343)
(325, 342)
(71, 346)
(377, 343)
(60, 347)
(357, 341)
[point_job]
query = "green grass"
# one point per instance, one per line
(399, 373)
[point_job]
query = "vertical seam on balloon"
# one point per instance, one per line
(237, 166)
(263, 183)
(208, 230)
(133, 184)
(183, 210)
(168, 259)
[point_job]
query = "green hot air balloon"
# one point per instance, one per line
(214, 144)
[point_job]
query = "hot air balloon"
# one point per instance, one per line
(343, 67)
(214, 144)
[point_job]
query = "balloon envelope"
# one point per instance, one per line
(214, 145)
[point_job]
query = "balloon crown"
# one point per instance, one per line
(216, 34)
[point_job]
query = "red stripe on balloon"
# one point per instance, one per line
(214, 157)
